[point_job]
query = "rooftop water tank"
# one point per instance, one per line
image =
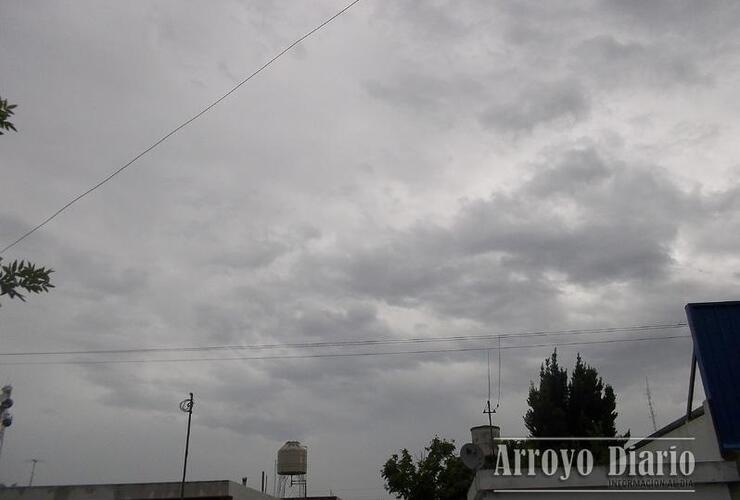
(292, 459)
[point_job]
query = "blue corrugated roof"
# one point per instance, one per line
(715, 327)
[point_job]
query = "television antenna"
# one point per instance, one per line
(488, 410)
(473, 455)
(650, 404)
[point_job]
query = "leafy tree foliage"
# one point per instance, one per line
(438, 475)
(6, 111)
(21, 275)
(583, 406)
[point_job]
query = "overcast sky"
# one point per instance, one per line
(415, 169)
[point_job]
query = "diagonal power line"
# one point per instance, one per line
(176, 129)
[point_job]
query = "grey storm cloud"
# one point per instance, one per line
(543, 103)
(496, 104)
(656, 64)
(415, 170)
(591, 219)
(714, 18)
(259, 254)
(427, 95)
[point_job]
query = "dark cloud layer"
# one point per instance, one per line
(415, 170)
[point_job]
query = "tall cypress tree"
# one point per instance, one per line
(583, 406)
(548, 403)
(591, 403)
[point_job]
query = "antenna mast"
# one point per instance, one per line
(488, 410)
(475, 455)
(650, 404)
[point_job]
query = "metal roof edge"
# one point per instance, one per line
(698, 412)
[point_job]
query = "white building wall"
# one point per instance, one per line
(705, 446)
(714, 477)
(154, 491)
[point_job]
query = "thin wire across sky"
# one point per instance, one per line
(175, 130)
(366, 353)
(358, 342)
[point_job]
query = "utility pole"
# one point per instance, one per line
(488, 410)
(274, 480)
(6, 419)
(186, 405)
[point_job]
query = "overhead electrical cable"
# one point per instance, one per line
(339, 355)
(356, 343)
(176, 129)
